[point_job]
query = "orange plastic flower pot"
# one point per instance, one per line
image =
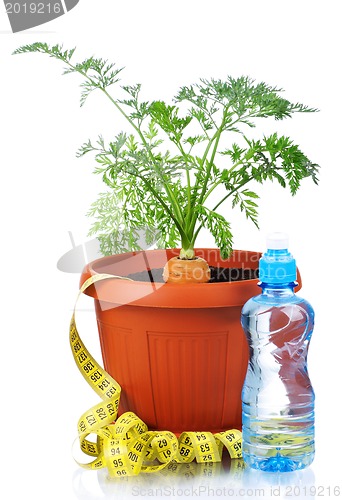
(177, 350)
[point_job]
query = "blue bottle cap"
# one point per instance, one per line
(277, 266)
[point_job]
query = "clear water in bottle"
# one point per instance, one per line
(277, 396)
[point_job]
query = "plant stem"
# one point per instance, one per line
(188, 182)
(219, 203)
(214, 140)
(233, 191)
(219, 182)
(173, 201)
(172, 198)
(188, 190)
(163, 204)
(211, 162)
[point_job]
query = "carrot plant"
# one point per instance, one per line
(180, 162)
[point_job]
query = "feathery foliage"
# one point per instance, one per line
(163, 174)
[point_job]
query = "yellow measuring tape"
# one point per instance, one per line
(125, 445)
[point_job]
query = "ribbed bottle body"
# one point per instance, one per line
(277, 396)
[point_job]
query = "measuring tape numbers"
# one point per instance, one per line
(124, 445)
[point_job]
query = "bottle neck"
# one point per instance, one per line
(279, 290)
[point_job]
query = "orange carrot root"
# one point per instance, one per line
(178, 270)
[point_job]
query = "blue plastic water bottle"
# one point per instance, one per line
(277, 396)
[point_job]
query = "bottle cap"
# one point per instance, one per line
(277, 241)
(277, 265)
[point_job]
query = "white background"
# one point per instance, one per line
(46, 191)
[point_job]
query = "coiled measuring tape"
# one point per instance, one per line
(125, 445)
